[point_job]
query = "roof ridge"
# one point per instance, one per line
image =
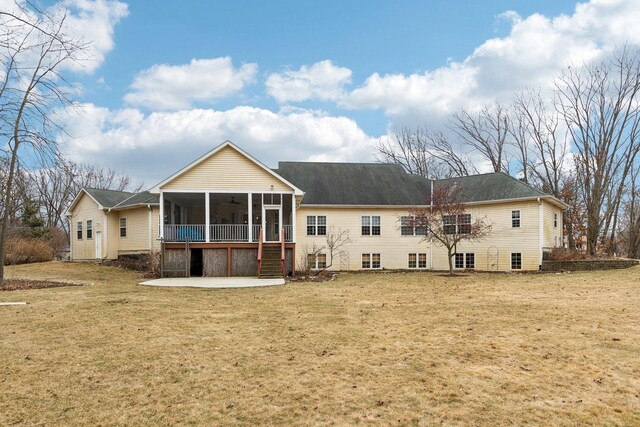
(107, 189)
(128, 198)
(341, 163)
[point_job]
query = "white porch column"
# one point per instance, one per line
(207, 217)
(161, 215)
(250, 215)
(293, 218)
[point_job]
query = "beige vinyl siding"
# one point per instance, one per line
(137, 239)
(226, 170)
(393, 248)
(112, 235)
(491, 253)
(494, 251)
(155, 229)
(85, 209)
(549, 232)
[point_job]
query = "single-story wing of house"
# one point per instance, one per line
(227, 214)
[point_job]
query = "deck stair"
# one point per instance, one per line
(271, 261)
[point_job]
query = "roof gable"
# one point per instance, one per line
(226, 167)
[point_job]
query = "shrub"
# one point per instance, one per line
(24, 250)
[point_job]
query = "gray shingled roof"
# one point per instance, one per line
(373, 184)
(490, 186)
(108, 198)
(142, 198)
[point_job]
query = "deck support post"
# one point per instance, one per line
(207, 218)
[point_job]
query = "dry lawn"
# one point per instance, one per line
(383, 349)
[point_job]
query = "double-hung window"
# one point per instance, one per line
(371, 225)
(89, 229)
(123, 227)
(515, 219)
(457, 224)
(316, 225)
(516, 261)
(79, 230)
(317, 261)
(418, 260)
(465, 260)
(371, 261)
(408, 227)
(555, 220)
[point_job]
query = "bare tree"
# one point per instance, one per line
(56, 186)
(33, 52)
(487, 133)
(447, 222)
(600, 106)
(335, 244)
(423, 152)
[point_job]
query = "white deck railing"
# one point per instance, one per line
(229, 233)
(217, 233)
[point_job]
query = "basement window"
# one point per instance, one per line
(370, 261)
(516, 261)
(465, 260)
(417, 261)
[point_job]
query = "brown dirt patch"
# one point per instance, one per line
(23, 285)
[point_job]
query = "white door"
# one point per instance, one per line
(271, 224)
(98, 244)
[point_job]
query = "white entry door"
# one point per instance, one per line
(98, 244)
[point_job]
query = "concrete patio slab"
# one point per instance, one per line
(214, 282)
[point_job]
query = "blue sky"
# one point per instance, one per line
(366, 37)
(312, 80)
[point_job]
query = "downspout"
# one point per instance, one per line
(150, 228)
(70, 237)
(105, 255)
(540, 232)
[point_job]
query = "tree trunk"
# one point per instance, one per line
(7, 203)
(450, 263)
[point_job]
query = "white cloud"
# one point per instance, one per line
(88, 22)
(532, 54)
(152, 146)
(175, 87)
(322, 80)
(94, 22)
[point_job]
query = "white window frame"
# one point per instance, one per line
(512, 260)
(465, 260)
(370, 226)
(421, 264)
(370, 261)
(120, 227)
(89, 229)
(316, 225)
(457, 223)
(517, 218)
(78, 230)
(316, 264)
(414, 229)
(555, 220)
